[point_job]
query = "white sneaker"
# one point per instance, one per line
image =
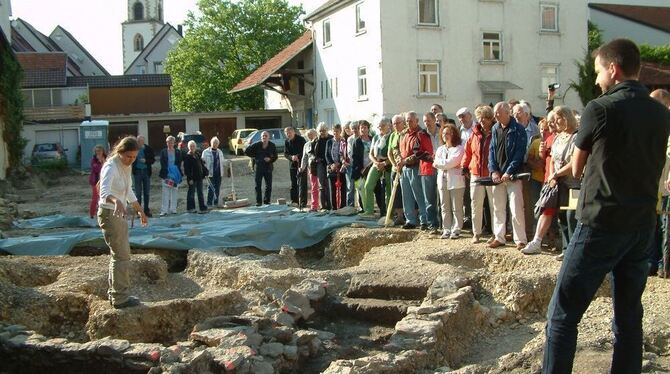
(534, 247)
(455, 235)
(445, 234)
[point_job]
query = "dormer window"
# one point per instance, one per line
(138, 11)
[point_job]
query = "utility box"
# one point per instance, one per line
(92, 133)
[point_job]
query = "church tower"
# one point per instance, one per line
(145, 19)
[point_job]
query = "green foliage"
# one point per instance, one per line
(11, 106)
(586, 86)
(223, 46)
(657, 54)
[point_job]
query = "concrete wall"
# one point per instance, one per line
(149, 125)
(616, 27)
(340, 61)
(394, 44)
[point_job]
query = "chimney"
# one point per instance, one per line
(180, 30)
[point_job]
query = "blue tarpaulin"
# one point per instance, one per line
(266, 228)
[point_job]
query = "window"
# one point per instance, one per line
(138, 43)
(327, 88)
(429, 78)
(492, 47)
(56, 97)
(158, 67)
(549, 74)
(141, 69)
(427, 12)
(330, 88)
(330, 116)
(138, 11)
(336, 88)
(549, 14)
(362, 83)
(321, 90)
(326, 32)
(27, 98)
(42, 98)
(360, 18)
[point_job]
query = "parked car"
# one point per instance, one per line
(277, 136)
(199, 139)
(48, 152)
(235, 141)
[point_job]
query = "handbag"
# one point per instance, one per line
(548, 199)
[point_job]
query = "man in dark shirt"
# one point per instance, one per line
(622, 141)
(293, 147)
(265, 154)
(142, 173)
(506, 154)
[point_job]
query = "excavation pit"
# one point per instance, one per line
(376, 300)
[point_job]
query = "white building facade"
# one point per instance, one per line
(145, 20)
(375, 58)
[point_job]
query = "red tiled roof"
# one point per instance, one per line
(652, 16)
(43, 69)
(275, 63)
(654, 74)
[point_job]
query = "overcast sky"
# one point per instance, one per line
(96, 24)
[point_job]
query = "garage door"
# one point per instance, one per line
(69, 140)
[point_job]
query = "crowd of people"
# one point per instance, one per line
(499, 166)
(446, 175)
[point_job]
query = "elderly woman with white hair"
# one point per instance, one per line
(215, 164)
(195, 172)
(171, 175)
(305, 161)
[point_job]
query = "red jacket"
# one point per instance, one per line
(476, 157)
(417, 143)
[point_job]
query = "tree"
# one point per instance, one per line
(658, 54)
(225, 44)
(11, 105)
(586, 85)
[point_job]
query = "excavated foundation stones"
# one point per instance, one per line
(389, 301)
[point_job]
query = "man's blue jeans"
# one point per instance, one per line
(142, 187)
(592, 254)
(412, 195)
(429, 187)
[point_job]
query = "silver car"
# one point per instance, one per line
(277, 136)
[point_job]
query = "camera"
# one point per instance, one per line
(554, 86)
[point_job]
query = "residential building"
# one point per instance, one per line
(375, 58)
(287, 80)
(26, 38)
(146, 38)
(644, 24)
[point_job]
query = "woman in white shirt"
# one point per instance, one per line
(450, 181)
(116, 191)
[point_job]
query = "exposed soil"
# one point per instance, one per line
(378, 282)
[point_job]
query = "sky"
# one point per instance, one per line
(96, 24)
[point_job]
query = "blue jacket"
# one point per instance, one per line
(515, 147)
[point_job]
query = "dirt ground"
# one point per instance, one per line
(362, 264)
